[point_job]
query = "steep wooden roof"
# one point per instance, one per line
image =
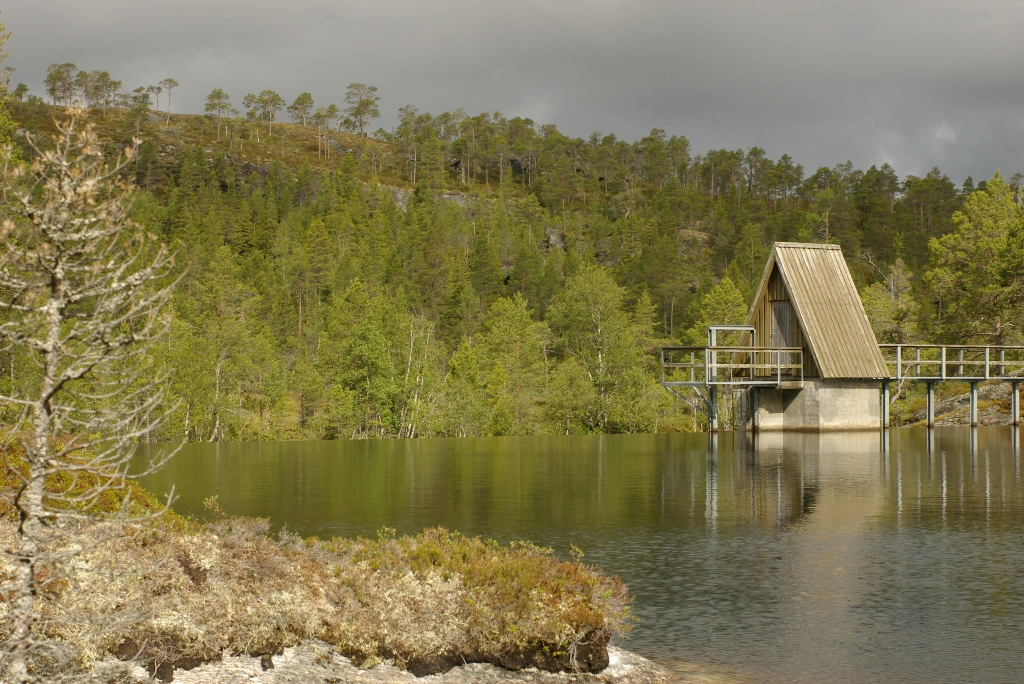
(829, 310)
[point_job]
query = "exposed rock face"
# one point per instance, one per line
(319, 663)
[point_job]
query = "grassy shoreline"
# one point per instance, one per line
(173, 593)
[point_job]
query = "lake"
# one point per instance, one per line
(842, 557)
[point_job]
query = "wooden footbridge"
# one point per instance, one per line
(807, 358)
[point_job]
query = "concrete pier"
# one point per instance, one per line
(820, 406)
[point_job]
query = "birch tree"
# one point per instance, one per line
(83, 293)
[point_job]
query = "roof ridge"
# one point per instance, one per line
(807, 245)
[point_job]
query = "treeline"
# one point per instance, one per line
(66, 85)
(315, 306)
(482, 275)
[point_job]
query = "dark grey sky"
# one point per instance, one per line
(915, 83)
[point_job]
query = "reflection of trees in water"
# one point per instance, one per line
(543, 486)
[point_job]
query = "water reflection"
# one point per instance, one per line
(796, 557)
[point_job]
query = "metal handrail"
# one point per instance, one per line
(961, 362)
(735, 372)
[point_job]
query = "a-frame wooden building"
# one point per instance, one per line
(807, 299)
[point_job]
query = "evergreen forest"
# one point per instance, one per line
(483, 275)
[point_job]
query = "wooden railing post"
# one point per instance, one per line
(899, 361)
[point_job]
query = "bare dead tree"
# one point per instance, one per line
(83, 294)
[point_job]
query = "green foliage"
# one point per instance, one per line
(721, 305)
(68, 489)
(362, 106)
(514, 346)
(7, 125)
(301, 108)
(367, 279)
(891, 307)
(592, 327)
(218, 102)
(573, 406)
(60, 83)
(7, 129)
(969, 277)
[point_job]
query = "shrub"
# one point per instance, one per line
(429, 601)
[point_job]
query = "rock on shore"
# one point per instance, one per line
(993, 407)
(318, 663)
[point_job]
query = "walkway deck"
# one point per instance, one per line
(709, 367)
(974, 364)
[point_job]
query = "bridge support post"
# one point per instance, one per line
(713, 408)
(974, 404)
(1015, 403)
(885, 404)
(930, 420)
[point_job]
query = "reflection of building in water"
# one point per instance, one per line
(779, 479)
(777, 485)
(844, 481)
(847, 480)
(828, 477)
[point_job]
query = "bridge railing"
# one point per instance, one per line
(968, 363)
(743, 365)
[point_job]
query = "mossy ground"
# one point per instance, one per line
(428, 602)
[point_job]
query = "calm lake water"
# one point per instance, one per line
(799, 558)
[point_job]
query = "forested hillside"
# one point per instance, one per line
(484, 275)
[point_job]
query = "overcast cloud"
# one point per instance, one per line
(916, 83)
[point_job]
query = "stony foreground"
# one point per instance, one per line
(178, 597)
(318, 662)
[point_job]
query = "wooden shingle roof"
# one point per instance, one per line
(828, 308)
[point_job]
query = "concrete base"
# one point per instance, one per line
(822, 405)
